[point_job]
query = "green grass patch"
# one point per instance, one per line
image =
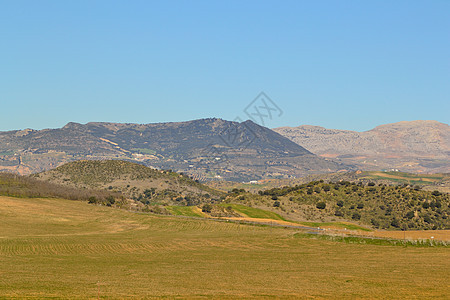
(187, 211)
(145, 151)
(335, 224)
(409, 178)
(6, 153)
(253, 212)
(374, 241)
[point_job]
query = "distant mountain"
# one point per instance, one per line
(416, 146)
(205, 149)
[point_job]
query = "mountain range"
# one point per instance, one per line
(204, 149)
(410, 146)
(213, 148)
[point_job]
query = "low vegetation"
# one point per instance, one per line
(401, 207)
(60, 249)
(25, 187)
(366, 203)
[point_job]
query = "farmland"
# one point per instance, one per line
(69, 249)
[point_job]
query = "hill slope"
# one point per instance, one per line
(379, 206)
(207, 148)
(416, 146)
(132, 180)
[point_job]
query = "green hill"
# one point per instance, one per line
(380, 206)
(134, 181)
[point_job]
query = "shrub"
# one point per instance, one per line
(436, 193)
(110, 200)
(375, 223)
(395, 223)
(276, 204)
(356, 216)
(410, 215)
(207, 208)
(321, 205)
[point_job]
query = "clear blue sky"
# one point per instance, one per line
(338, 64)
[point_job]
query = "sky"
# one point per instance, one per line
(337, 64)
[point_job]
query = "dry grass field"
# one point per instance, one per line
(52, 248)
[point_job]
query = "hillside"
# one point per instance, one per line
(134, 181)
(206, 149)
(428, 182)
(378, 206)
(14, 185)
(416, 146)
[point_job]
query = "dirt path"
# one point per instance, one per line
(263, 221)
(441, 235)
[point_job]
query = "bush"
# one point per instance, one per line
(356, 216)
(338, 213)
(110, 200)
(375, 223)
(340, 203)
(207, 208)
(410, 215)
(395, 223)
(321, 205)
(276, 204)
(436, 193)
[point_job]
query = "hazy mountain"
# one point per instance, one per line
(206, 148)
(416, 146)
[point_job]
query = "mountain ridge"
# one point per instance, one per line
(412, 146)
(205, 148)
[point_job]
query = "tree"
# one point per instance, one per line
(276, 204)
